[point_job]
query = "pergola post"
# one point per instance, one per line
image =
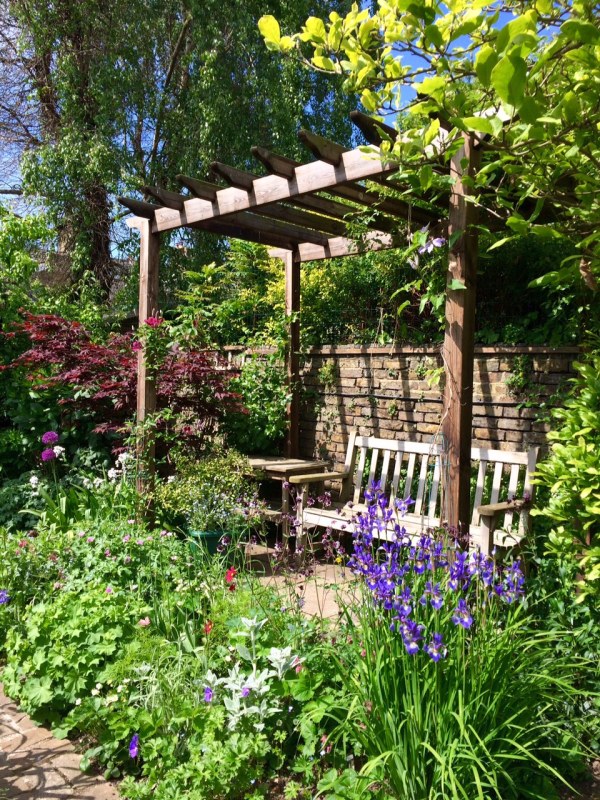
(292, 356)
(146, 379)
(458, 345)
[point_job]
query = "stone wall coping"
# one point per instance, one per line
(407, 349)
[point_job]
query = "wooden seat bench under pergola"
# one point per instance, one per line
(309, 211)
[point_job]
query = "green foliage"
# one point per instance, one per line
(206, 495)
(59, 651)
(265, 397)
(572, 477)
(527, 79)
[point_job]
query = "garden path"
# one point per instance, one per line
(36, 766)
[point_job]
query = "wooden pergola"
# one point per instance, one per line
(305, 212)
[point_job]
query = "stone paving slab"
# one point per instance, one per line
(36, 766)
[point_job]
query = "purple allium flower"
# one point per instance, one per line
(50, 437)
(208, 694)
(134, 746)
(4, 597)
(436, 648)
(48, 454)
(462, 615)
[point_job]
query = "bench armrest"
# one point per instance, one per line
(314, 477)
(497, 508)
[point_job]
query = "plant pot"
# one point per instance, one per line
(207, 540)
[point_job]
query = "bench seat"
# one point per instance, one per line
(415, 469)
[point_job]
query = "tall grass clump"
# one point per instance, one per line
(450, 692)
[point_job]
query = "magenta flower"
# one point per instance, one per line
(134, 746)
(50, 437)
(153, 322)
(137, 345)
(48, 454)
(109, 590)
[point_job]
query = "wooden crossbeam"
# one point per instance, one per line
(139, 207)
(165, 198)
(340, 246)
(202, 189)
(308, 178)
(374, 131)
(310, 221)
(225, 228)
(283, 230)
(278, 165)
(324, 149)
(234, 177)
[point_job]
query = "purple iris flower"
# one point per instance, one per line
(411, 635)
(4, 597)
(208, 694)
(402, 505)
(134, 746)
(436, 648)
(462, 615)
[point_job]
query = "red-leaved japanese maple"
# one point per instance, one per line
(101, 378)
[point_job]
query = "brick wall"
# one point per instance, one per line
(386, 392)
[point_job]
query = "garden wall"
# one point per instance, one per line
(389, 393)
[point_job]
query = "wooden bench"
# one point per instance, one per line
(414, 469)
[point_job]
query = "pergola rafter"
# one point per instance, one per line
(308, 211)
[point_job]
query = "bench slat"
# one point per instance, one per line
(359, 472)
(373, 470)
(385, 469)
(422, 481)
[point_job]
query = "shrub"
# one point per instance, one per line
(193, 386)
(571, 476)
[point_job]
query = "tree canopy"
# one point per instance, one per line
(102, 98)
(523, 77)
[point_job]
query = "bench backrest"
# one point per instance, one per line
(414, 469)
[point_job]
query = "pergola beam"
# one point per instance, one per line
(314, 177)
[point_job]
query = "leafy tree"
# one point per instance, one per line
(106, 97)
(523, 77)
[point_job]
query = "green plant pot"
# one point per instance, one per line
(207, 540)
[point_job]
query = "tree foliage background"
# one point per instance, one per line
(101, 98)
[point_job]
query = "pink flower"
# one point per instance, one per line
(143, 623)
(153, 322)
(136, 345)
(48, 454)
(126, 538)
(50, 437)
(109, 590)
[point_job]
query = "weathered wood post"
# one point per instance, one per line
(292, 310)
(458, 345)
(146, 379)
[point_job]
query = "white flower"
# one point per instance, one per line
(58, 450)
(34, 480)
(171, 479)
(123, 457)
(78, 701)
(95, 692)
(87, 484)
(113, 474)
(98, 482)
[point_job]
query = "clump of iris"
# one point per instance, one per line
(420, 579)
